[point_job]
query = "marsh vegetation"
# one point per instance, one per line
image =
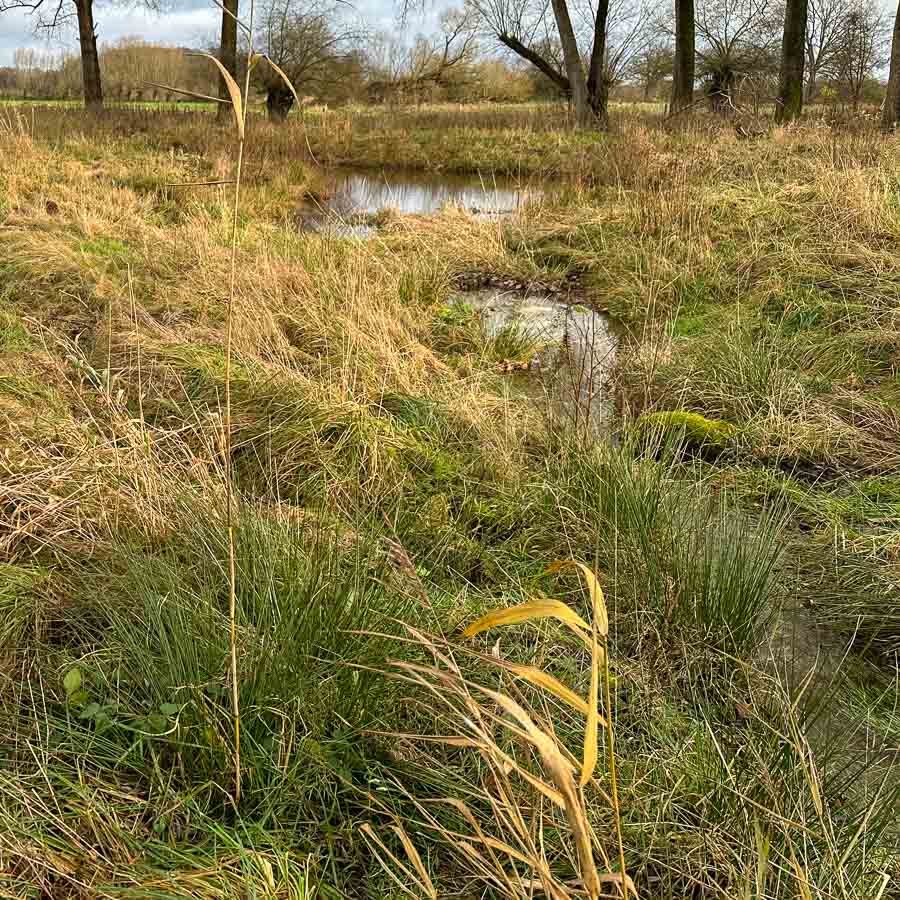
(398, 468)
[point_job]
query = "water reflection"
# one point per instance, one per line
(367, 192)
(579, 346)
(352, 195)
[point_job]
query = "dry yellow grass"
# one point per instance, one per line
(112, 379)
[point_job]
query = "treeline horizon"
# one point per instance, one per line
(723, 52)
(130, 65)
(136, 69)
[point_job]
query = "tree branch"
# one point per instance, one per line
(536, 60)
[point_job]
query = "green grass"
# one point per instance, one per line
(20, 607)
(192, 106)
(13, 336)
(155, 687)
(390, 474)
(679, 560)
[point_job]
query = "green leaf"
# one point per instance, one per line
(102, 723)
(79, 698)
(72, 681)
(156, 723)
(89, 711)
(169, 709)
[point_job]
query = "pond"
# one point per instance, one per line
(577, 347)
(352, 196)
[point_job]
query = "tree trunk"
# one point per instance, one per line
(90, 62)
(597, 85)
(685, 57)
(891, 112)
(812, 81)
(720, 92)
(793, 58)
(228, 55)
(599, 103)
(572, 60)
(279, 101)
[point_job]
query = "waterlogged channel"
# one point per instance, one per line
(577, 349)
(577, 346)
(351, 197)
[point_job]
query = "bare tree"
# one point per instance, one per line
(578, 88)
(27, 65)
(824, 26)
(736, 38)
(684, 62)
(535, 32)
(891, 112)
(652, 66)
(51, 15)
(630, 30)
(400, 70)
(135, 69)
(793, 55)
(7, 81)
(861, 49)
(306, 39)
(581, 46)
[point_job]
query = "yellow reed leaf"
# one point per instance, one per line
(542, 608)
(237, 106)
(590, 727)
(284, 78)
(542, 679)
(598, 602)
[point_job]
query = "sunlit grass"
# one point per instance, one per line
(392, 483)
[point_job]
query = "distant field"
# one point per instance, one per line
(357, 108)
(161, 105)
(521, 140)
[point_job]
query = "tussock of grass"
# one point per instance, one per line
(305, 610)
(386, 472)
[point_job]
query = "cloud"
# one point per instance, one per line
(192, 23)
(184, 27)
(16, 32)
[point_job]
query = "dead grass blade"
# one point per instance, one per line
(481, 710)
(234, 92)
(376, 845)
(183, 92)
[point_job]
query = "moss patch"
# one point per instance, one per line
(685, 427)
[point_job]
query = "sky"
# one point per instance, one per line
(185, 23)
